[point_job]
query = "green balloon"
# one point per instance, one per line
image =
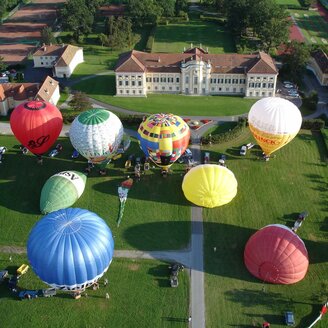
(62, 190)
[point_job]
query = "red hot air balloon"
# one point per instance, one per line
(277, 255)
(37, 125)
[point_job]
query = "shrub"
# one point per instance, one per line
(313, 124)
(227, 136)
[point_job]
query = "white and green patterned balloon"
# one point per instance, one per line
(96, 134)
(62, 190)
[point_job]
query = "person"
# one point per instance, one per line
(265, 324)
(105, 282)
(107, 296)
(189, 319)
(40, 160)
(59, 147)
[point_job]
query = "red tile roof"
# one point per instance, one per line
(19, 91)
(137, 61)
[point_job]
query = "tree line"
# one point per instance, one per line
(7, 5)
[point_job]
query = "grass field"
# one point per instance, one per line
(312, 25)
(294, 3)
(268, 192)
(150, 200)
(140, 296)
(174, 37)
(103, 88)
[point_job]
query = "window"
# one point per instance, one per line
(263, 93)
(134, 91)
(162, 79)
(242, 81)
(251, 94)
(155, 88)
(133, 83)
(177, 80)
(221, 80)
(163, 88)
(148, 88)
(203, 90)
(241, 89)
(139, 77)
(148, 79)
(234, 89)
(220, 89)
(140, 91)
(270, 85)
(133, 77)
(257, 93)
(187, 79)
(139, 83)
(235, 81)
(270, 94)
(121, 91)
(214, 80)
(41, 57)
(213, 89)
(227, 81)
(251, 85)
(227, 89)
(120, 83)
(178, 88)
(126, 83)
(41, 63)
(211, 81)
(127, 91)
(195, 79)
(263, 85)
(257, 85)
(187, 90)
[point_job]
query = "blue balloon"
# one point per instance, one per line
(70, 249)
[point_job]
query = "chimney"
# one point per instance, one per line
(191, 45)
(207, 49)
(159, 59)
(44, 48)
(51, 82)
(184, 49)
(200, 46)
(46, 91)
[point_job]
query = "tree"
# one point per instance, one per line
(77, 18)
(47, 36)
(104, 40)
(122, 35)
(295, 60)
(3, 65)
(181, 5)
(80, 101)
(238, 16)
(144, 11)
(168, 7)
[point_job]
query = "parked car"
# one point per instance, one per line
(28, 294)
(188, 153)
(287, 82)
(176, 268)
(3, 275)
(49, 292)
(174, 281)
(243, 150)
(250, 145)
(289, 318)
(288, 86)
(206, 158)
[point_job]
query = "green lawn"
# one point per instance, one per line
(268, 192)
(174, 37)
(150, 201)
(103, 88)
(294, 3)
(312, 25)
(139, 292)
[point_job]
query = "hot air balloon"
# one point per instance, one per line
(163, 138)
(70, 249)
(96, 134)
(37, 125)
(209, 185)
(62, 190)
(277, 255)
(274, 122)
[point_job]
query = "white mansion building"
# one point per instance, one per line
(196, 72)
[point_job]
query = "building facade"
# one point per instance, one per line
(196, 72)
(13, 94)
(61, 58)
(319, 66)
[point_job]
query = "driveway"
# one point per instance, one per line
(38, 75)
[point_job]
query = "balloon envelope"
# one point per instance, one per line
(62, 190)
(274, 122)
(37, 125)
(163, 138)
(277, 255)
(96, 134)
(70, 249)
(209, 185)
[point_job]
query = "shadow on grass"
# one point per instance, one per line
(171, 319)
(161, 274)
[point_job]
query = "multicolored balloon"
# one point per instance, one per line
(37, 125)
(274, 122)
(62, 190)
(70, 249)
(277, 255)
(209, 185)
(96, 134)
(163, 138)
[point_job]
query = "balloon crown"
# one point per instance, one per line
(35, 105)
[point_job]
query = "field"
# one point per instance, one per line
(176, 37)
(144, 225)
(268, 193)
(139, 292)
(102, 88)
(294, 3)
(312, 25)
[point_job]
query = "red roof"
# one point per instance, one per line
(137, 61)
(277, 255)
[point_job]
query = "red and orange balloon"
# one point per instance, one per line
(37, 125)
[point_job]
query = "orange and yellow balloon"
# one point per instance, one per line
(163, 138)
(274, 122)
(209, 185)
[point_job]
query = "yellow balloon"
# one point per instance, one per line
(209, 185)
(274, 122)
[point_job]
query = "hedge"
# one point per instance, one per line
(227, 136)
(151, 39)
(313, 124)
